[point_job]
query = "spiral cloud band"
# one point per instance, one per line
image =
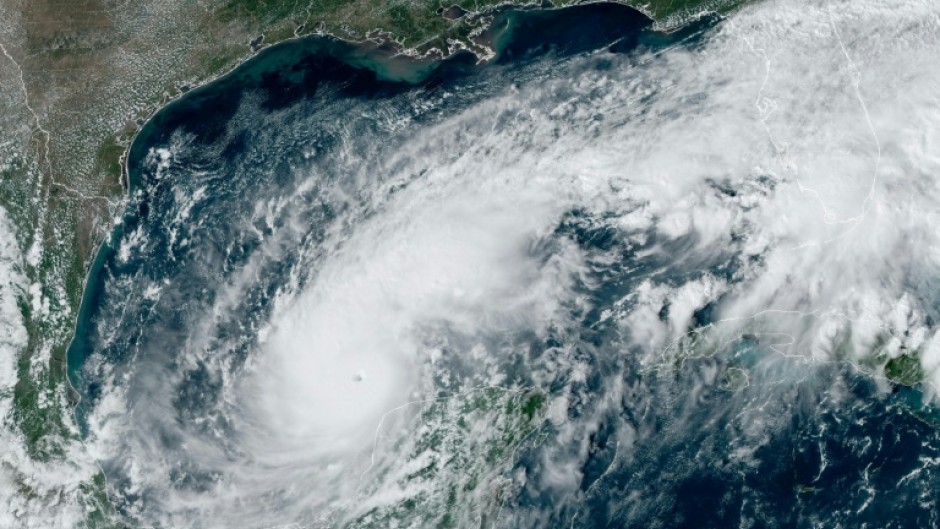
(475, 281)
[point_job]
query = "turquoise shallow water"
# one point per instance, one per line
(293, 71)
(297, 141)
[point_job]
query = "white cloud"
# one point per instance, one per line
(796, 145)
(54, 499)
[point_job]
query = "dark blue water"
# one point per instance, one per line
(681, 452)
(317, 68)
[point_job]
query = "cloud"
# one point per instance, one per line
(776, 179)
(54, 483)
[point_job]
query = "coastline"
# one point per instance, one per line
(380, 57)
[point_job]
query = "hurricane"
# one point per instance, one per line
(635, 278)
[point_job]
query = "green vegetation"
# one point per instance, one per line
(734, 379)
(905, 369)
(468, 442)
(109, 157)
(77, 78)
(417, 25)
(670, 12)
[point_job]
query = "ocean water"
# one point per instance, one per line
(581, 285)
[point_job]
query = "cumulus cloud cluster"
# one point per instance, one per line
(54, 484)
(782, 173)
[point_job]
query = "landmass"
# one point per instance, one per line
(77, 80)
